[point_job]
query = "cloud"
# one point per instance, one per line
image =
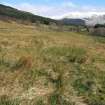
(64, 9)
(51, 11)
(36, 9)
(83, 14)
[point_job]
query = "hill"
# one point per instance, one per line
(67, 21)
(12, 13)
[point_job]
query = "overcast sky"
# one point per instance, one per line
(59, 8)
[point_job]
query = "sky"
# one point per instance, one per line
(59, 8)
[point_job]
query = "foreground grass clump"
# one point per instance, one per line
(4, 100)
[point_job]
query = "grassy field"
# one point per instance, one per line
(44, 67)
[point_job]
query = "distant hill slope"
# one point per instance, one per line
(12, 13)
(71, 21)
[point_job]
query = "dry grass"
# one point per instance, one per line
(44, 67)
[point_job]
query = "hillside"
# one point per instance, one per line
(8, 13)
(45, 67)
(12, 13)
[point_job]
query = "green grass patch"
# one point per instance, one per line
(68, 54)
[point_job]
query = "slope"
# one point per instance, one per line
(45, 67)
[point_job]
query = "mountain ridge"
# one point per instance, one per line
(12, 13)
